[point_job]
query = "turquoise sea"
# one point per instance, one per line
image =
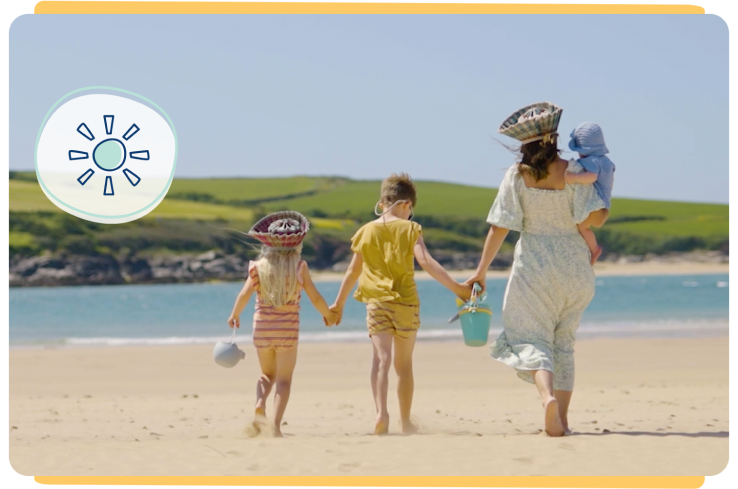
(684, 305)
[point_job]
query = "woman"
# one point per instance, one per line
(552, 281)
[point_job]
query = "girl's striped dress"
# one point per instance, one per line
(276, 328)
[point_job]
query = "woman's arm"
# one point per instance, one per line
(435, 270)
(492, 243)
(349, 280)
(318, 301)
(234, 320)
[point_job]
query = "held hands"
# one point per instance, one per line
(480, 278)
(331, 320)
(234, 321)
(463, 291)
(336, 316)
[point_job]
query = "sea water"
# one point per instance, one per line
(671, 305)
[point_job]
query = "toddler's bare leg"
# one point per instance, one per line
(405, 382)
(286, 360)
(382, 344)
(589, 236)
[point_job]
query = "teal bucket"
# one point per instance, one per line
(476, 317)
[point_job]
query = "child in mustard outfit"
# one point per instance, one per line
(383, 264)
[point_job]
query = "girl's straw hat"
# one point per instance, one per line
(283, 230)
(533, 122)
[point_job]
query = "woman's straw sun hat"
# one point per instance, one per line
(533, 122)
(283, 230)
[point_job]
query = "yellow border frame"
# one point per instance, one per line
(63, 7)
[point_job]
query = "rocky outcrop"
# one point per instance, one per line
(66, 269)
(107, 270)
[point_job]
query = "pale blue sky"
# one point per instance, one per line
(364, 96)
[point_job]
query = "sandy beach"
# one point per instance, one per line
(602, 269)
(640, 407)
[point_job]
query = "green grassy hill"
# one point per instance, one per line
(196, 211)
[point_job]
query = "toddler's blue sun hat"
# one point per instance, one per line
(587, 139)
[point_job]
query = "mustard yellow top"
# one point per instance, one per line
(388, 273)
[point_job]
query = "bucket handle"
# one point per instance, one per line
(233, 336)
(476, 289)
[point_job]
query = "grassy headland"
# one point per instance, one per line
(198, 215)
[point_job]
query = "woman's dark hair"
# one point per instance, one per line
(536, 156)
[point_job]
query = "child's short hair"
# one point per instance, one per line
(398, 187)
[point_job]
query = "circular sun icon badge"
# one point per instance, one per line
(106, 158)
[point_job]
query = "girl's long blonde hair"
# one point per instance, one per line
(278, 275)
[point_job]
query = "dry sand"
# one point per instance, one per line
(602, 269)
(641, 407)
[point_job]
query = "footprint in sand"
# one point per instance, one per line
(348, 467)
(524, 460)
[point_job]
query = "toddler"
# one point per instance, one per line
(587, 140)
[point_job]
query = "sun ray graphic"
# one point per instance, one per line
(109, 155)
(85, 176)
(108, 186)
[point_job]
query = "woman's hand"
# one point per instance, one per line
(234, 321)
(479, 278)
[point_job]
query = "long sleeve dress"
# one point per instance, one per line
(551, 282)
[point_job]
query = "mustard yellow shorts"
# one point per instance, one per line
(401, 319)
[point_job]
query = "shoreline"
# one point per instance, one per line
(699, 265)
(704, 328)
(604, 269)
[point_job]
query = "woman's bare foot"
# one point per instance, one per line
(595, 255)
(408, 428)
(553, 424)
(381, 427)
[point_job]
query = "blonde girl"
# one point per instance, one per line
(278, 277)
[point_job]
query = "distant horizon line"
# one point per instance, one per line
(379, 180)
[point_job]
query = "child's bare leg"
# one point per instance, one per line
(286, 360)
(382, 344)
(544, 383)
(564, 398)
(267, 362)
(589, 236)
(405, 382)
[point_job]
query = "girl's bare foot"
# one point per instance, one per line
(278, 432)
(553, 425)
(381, 427)
(259, 426)
(595, 255)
